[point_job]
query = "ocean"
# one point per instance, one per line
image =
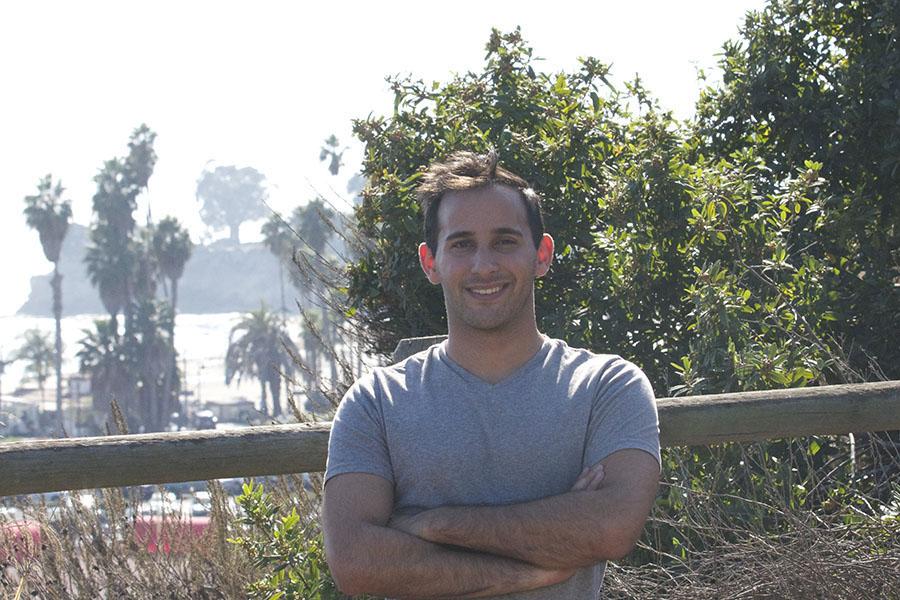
(201, 341)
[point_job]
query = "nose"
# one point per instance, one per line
(484, 262)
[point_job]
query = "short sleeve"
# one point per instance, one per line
(357, 442)
(623, 414)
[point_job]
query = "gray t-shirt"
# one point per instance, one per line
(443, 436)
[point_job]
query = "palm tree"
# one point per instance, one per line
(280, 239)
(3, 365)
(312, 347)
(103, 361)
(38, 356)
(172, 247)
(259, 347)
(312, 224)
(153, 359)
(114, 255)
(122, 267)
(49, 215)
(110, 266)
(330, 150)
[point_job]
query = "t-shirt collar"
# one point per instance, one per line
(535, 361)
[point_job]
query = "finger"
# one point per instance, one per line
(582, 480)
(596, 478)
(590, 478)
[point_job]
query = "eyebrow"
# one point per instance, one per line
(498, 231)
(507, 231)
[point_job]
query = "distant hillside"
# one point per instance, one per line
(221, 277)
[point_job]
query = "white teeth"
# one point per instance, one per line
(492, 290)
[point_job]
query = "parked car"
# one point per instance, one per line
(205, 419)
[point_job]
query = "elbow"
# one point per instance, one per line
(346, 578)
(347, 588)
(339, 574)
(612, 543)
(619, 549)
(344, 567)
(616, 545)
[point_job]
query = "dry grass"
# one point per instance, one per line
(847, 553)
(772, 520)
(839, 556)
(98, 553)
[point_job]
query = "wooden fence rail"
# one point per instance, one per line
(79, 463)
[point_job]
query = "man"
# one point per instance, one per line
(499, 461)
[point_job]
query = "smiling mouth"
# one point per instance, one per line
(487, 292)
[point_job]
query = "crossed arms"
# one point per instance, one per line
(476, 551)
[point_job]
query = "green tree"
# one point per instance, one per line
(259, 347)
(572, 136)
(818, 84)
(49, 215)
(38, 354)
(655, 237)
(820, 81)
(231, 196)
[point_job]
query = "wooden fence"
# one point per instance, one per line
(112, 461)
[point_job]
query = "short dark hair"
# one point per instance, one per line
(462, 171)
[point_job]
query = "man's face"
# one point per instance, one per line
(486, 261)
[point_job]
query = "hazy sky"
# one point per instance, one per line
(261, 84)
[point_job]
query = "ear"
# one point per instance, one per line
(426, 260)
(544, 256)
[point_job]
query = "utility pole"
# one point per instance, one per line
(185, 392)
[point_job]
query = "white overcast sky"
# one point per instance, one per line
(261, 84)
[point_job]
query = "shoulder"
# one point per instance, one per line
(604, 377)
(599, 367)
(391, 381)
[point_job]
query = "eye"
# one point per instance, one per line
(507, 242)
(461, 244)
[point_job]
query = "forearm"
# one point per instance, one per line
(570, 530)
(386, 562)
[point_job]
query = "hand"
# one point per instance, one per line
(590, 479)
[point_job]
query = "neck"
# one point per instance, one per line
(495, 354)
